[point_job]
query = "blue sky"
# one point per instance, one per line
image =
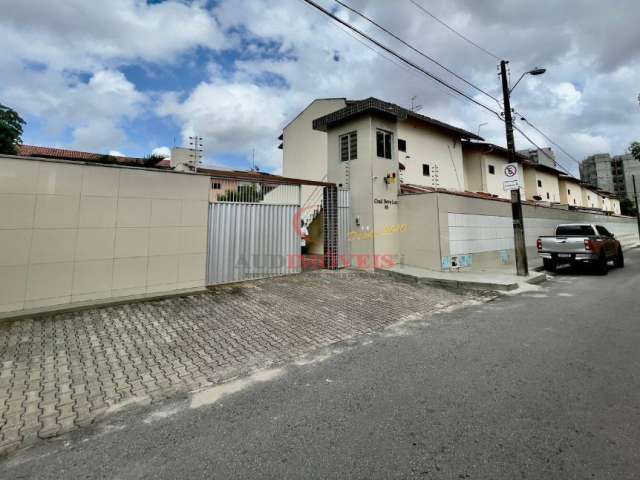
(131, 76)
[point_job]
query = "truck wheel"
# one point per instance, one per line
(601, 267)
(619, 262)
(549, 264)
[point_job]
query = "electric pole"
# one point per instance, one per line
(516, 204)
(635, 195)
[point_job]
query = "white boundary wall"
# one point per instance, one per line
(71, 232)
(437, 226)
(484, 233)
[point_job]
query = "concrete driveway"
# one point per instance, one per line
(65, 371)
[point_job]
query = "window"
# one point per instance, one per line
(216, 186)
(492, 170)
(568, 191)
(539, 183)
(383, 143)
(349, 146)
(402, 145)
(603, 231)
(548, 196)
(577, 230)
(425, 170)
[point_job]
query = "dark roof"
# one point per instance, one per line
(258, 177)
(374, 106)
(490, 147)
(79, 156)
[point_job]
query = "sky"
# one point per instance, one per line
(135, 77)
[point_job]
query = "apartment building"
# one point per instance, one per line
(611, 173)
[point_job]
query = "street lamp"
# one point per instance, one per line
(522, 267)
(535, 71)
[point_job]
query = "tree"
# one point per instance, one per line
(244, 193)
(634, 148)
(10, 130)
(627, 207)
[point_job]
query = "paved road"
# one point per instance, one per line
(543, 385)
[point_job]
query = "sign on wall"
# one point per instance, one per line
(511, 177)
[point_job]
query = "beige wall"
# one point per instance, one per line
(77, 233)
(427, 145)
(304, 153)
(483, 228)
(615, 206)
(570, 192)
(550, 185)
(477, 176)
(591, 199)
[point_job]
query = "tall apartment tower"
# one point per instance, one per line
(613, 174)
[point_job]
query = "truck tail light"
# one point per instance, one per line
(588, 245)
(539, 244)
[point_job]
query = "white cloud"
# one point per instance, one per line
(586, 100)
(232, 117)
(81, 35)
(161, 151)
(116, 153)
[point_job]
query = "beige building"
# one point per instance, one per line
(427, 151)
(590, 198)
(570, 191)
(483, 168)
(541, 183)
(304, 150)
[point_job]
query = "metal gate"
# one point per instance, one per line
(253, 231)
(344, 226)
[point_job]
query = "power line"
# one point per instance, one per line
(441, 22)
(395, 62)
(400, 57)
(419, 52)
(546, 137)
(555, 162)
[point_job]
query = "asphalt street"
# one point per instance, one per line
(541, 385)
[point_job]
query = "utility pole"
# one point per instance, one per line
(635, 195)
(516, 205)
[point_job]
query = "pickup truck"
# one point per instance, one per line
(580, 243)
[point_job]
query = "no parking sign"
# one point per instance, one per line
(511, 177)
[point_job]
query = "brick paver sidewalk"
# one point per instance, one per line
(64, 371)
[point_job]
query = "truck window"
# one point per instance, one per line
(574, 230)
(603, 231)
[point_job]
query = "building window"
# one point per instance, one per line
(426, 171)
(540, 183)
(492, 170)
(216, 186)
(402, 145)
(349, 146)
(548, 196)
(568, 191)
(383, 143)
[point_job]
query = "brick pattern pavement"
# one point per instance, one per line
(64, 371)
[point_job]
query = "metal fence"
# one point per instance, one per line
(253, 230)
(344, 225)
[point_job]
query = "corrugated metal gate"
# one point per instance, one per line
(253, 231)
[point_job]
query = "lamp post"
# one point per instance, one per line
(522, 267)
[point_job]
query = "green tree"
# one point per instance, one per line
(627, 207)
(10, 130)
(634, 148)
(244, 193)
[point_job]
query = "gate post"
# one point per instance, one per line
(330, 225)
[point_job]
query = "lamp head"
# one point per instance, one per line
(537, 71)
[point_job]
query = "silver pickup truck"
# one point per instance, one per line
(580, 243)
